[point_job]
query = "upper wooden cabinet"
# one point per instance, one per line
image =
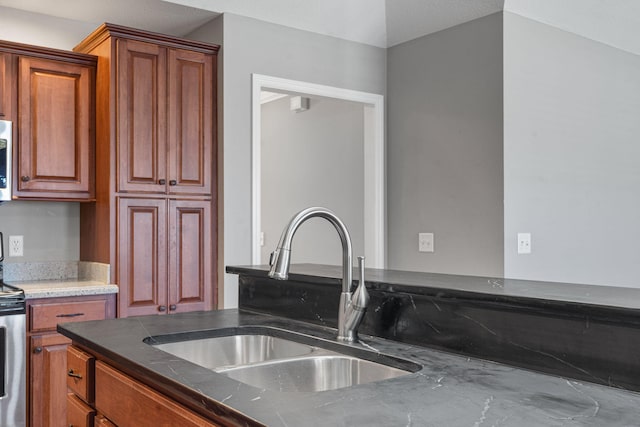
(55, 143)
(49, 94)
(164, 116)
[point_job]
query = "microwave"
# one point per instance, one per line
(5, 160)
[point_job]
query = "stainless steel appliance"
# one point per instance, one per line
(13, 373)
(5, 160)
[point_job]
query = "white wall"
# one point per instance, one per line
(445, 150)
(252, 46)
(313, 158)
(571, 150)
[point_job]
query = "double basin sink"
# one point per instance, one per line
(280, 360)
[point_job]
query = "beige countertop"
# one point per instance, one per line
(63, 288)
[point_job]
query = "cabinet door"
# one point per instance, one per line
(190, 130)
(55, 145)
(48, 387)
(190, 262)
(6, 92)
(142, 72)
(142, 255)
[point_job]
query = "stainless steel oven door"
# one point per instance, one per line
(13, 372)
(5, 160)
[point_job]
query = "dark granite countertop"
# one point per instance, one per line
(450, 390)
(480, 287)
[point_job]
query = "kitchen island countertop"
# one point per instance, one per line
(450, 390)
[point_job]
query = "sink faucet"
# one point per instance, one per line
(352, 305)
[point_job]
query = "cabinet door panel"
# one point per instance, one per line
(55, 146)
(190, 131)
(141, 117)
(142, 273)
(6, 93)
(190, 286)
(48, 387)
(129, 403)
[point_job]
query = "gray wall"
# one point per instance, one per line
(252, 46)
(313, 158)
(571, 153)
(445, 150)
(50, 229)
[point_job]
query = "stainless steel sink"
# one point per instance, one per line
(312, 373)
(288, 362)
(235, 350)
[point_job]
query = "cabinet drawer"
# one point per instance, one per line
(45, 317)
(129, 403)
(80, 373)
(79, 414)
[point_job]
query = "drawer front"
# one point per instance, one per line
(79, 414)
(129, 403)
(45, 317)
(80, 373)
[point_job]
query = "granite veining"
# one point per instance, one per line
(450, 390)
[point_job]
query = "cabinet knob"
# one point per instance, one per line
(172, 307)
(162, 308)
(25, 178)
(162, 181)
(37, 350)
(173, 182)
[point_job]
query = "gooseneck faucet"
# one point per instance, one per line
(352, 305)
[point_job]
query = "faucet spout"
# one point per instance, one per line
(351, 308)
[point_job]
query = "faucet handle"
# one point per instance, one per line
(360, 298)
(272, 256)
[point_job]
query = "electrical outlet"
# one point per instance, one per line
(425, 242)
(16, 246)
(524, 243)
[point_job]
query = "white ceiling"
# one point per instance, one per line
(380, 23)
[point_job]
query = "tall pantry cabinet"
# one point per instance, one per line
(155, 212)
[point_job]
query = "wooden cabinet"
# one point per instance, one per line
(49, 95)
(190, 122)
(153, 220)
(79, 414)
(55, 143)
(121, 400)
(165, 259)
(47, 350)
(48, 381)
(129, 403)
(164, 119)
(6, 86)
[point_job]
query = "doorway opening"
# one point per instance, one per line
(372, 167)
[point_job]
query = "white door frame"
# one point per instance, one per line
(374, 160)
